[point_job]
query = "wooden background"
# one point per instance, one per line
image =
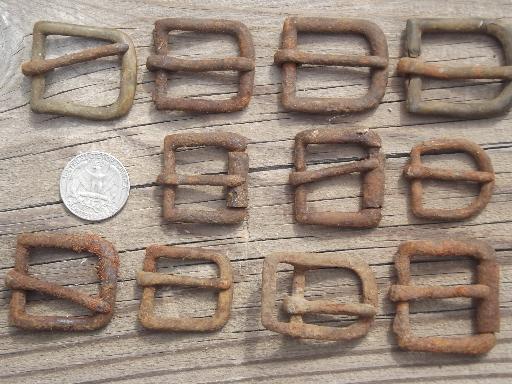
(35, 148)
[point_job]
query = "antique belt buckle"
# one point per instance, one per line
(415, 68)
(289, 57)
(416, 173)
(372, 170)
(485, 292)
(20, 282)
(162, 63)
(235, 181)
(150, 279)
(38, 66)
(296, 305)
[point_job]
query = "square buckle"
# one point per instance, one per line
(372, 170)
(150, 279)
(235, 181)
(20, 282)
(289, 57)
(416, 172)
(485, 292)
(38, 66)
(415, 68)
(161, 63)
(296, 305)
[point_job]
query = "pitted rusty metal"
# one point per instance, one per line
(38, 66)
(162, 63)
(414, 68)
(289, 57)
(149, 279)
(485, 292)
(296, 305)
(20, 282)
(415, 172)
(371, 168)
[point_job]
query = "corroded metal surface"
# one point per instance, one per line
(485, 292)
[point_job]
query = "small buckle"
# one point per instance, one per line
(235, 181)
(162, 63)
(415, 68)
(38, 66)
(485, 292)
(289, 57)
(149, 279)
(20, 282)
(296, 305)
(416, 172)
(372, 170)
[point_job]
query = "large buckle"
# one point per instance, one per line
(20, 282)
(372, 169)
(297, 306)
(415, 68)
(38, 66)
(416, 173)
(485, 292)
(149, 279)
(162, 63)
(289, 57)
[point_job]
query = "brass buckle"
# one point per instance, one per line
(235, 181)
(20, 282)
(415, 68)
(416, 173)
(161, 63)
(149, 279)
(372, 170)
(486, 293)
(38, 66)
(289, 57)
(297, 306)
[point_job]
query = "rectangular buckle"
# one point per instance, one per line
(415, 68)
(296, 305)
(485, 292)
(38, 66)
(235, 181)
(161, 63)
(149, 279)
(20, 282)
(372, 170)
(289, 57)
(416, 172)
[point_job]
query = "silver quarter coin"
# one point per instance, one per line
(94, 186)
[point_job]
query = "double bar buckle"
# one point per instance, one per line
(20, 282)
(372, 170)
(162, 63)
(485, 292)
(289, 57)
(38, 66)
(149, 279)
(415, 68)
(297, 305)
(416, 173)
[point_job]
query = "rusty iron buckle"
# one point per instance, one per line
(415, 68)
(38, 66)
(296, 305)
(485, 293)
(20, 282)
(372, 170)
(289, 57)
(162, 63)
(416, 172)
(235, 181)
(149, 279)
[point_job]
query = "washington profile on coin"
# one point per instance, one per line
(94, 186)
